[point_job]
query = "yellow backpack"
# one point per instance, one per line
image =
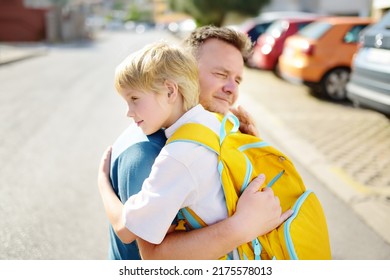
(241, 158)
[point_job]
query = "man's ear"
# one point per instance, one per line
(172, 89)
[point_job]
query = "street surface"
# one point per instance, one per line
(59, 111)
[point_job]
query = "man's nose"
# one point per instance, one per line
(230, 86)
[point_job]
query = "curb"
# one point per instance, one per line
(369, 206)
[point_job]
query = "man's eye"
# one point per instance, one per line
(222, 75)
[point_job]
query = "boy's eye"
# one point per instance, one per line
(133, 98)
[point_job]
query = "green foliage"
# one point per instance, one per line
(137, 14)
(117, 5)
(215, 11)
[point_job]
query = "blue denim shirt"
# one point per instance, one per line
(128, 172)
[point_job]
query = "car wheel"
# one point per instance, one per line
(333, 85)
(276, 70)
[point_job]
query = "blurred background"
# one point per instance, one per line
(64, 20)
(317, 84)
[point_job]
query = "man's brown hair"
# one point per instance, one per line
(235, 38)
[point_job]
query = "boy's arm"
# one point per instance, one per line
(111, 202)
(258, 212)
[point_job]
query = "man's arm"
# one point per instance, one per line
(258, 212)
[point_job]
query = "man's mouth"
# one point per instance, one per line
(223, 99)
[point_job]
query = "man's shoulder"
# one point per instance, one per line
(133, 138)
(130, 136)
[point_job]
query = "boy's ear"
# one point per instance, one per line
(172, 88)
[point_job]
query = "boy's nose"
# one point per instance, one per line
(130, 113)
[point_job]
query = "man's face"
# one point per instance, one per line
(220, 72)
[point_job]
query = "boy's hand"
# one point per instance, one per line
(104, 168)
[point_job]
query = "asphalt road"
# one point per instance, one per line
(59, 112)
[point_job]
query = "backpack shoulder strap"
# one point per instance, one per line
(196, 133)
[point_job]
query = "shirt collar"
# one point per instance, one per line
(185, 118)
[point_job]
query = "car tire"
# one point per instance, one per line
(276, 70)
(333, 85)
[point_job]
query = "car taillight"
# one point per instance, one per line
(308, 49)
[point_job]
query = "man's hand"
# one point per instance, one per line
(247, 124)
(258, 211)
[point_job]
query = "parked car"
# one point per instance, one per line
(255, 27)
(320, 55)
(369, 85)
(269, 45)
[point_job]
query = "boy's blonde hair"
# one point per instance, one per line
(147, 69)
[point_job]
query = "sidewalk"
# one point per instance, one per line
(10, 53)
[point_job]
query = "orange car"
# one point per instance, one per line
(320, 55)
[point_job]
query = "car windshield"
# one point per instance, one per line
(315, 30)
(277, 28)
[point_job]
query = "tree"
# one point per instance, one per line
(135, 13)
(214, 11)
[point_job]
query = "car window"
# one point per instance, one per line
(352, 36)
(377, 34)
(260, 28)
(315, 30)
(277, 28)
(257, 30)
(302, 25)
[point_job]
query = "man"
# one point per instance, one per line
(220, 53)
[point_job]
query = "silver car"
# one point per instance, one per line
(369, 85)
